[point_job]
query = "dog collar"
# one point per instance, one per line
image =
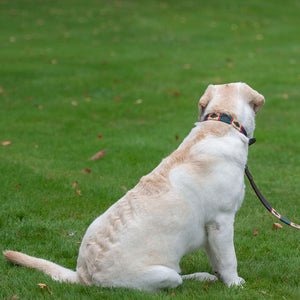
(226, 119)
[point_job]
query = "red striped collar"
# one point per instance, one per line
(226, 119)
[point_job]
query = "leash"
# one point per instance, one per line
(263, 200)
(234, 123)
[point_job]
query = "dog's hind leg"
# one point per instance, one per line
(155, 278)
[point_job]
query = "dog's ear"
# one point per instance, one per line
(204, 100)
(256, 99)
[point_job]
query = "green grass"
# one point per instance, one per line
(63, 65)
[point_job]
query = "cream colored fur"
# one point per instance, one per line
(187, 202)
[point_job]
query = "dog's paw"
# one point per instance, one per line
(237, 281)
(202, 276)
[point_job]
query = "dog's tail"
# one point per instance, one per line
(55, 271)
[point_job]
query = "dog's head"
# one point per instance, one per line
(238, 100)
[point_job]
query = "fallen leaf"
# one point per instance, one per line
(176, 94)
(259, 37)
(16, 186)
(123, 187)
(176, 137)
(88, 99)
(74, 184)
(78, 192)
(53, 61)
(40, 107)
(74, 103)
(116, 99)
(277, 225)
(44, 286)
(255, 232)
(15, 297)
(98, 155)
(6, 143)
(138, 101)
(86, 170)
(1, 90)
(100, 136)
(173, 294)
(71, 234)
(187, 66)
(265, 293)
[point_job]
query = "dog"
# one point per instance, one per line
(187, 202)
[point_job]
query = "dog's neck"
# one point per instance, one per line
(226, 119)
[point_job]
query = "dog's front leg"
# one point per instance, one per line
(220, 249)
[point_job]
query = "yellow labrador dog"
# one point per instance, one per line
(188, 201)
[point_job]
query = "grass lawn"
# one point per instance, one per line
(78, 77)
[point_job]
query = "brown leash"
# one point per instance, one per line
(263, 200)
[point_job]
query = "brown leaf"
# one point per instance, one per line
(116, 99)
(255, 232)
(277, 226)
(44, 286)
(123, 187)
(78, 192)
(86, 170)
(15, 297)
(6, 143)
(176, 137)
(16, 186)
(176, 93)
(74, 184)
(100, 136)
(71, 234)
(98, 155)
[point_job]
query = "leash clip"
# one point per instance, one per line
(251, 141)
